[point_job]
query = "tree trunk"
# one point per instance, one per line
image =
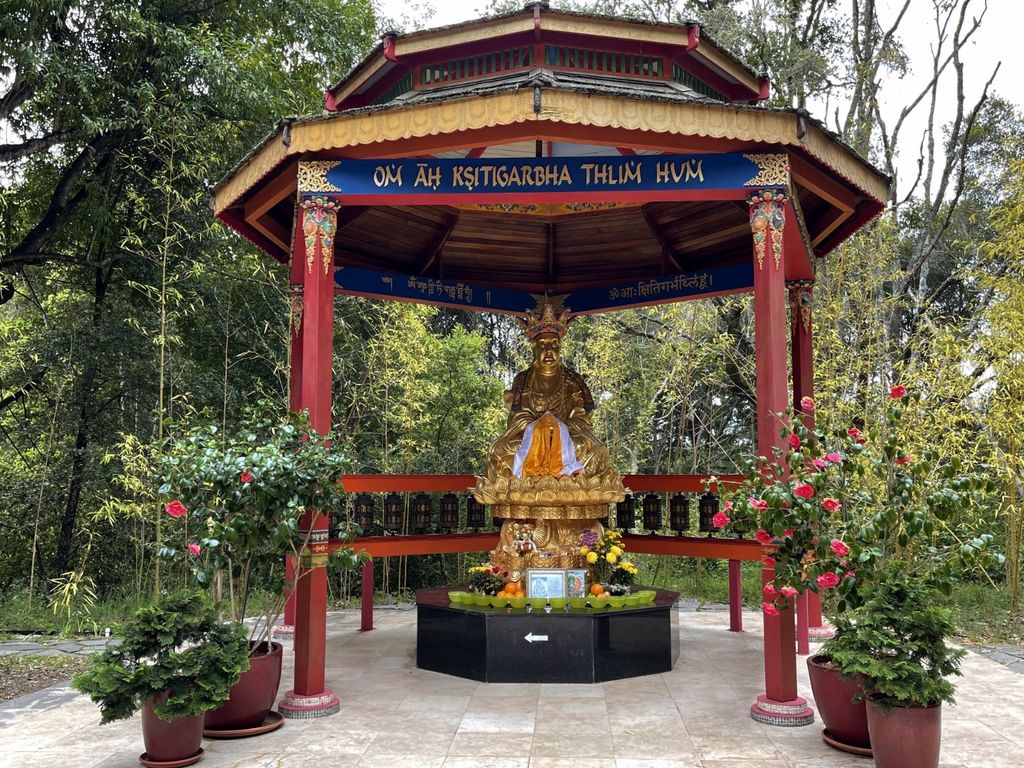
(65, 539)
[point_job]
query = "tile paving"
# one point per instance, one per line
(394, 715)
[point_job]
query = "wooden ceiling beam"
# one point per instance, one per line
(433, 253)
(551, 251)
(667, 249)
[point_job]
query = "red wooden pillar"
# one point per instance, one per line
(366, 598)
(296, 279)
(315, 256)
(735, 597)
(779, 705)
(801, 306)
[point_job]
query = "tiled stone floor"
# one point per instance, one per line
(394, 715)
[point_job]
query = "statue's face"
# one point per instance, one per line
(547, 353)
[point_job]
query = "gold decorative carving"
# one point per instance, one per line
(548, 209)
(767, 219)
(313, 176)
(771, 169)
(319, 223)
(801, 299)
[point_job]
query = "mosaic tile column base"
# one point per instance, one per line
(299, 707)
(783, 713)
(284, 633)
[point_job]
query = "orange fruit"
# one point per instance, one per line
(519, 593)
(511, 587)
(596, 589)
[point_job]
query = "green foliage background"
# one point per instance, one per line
(132, 307)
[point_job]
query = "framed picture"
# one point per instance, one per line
(576, 582)
(545, 582)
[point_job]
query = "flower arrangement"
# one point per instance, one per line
(487, 579)
(606, 556)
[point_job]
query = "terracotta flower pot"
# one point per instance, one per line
(845, 719)
(905, 737)
(253, 695)
(170, 741)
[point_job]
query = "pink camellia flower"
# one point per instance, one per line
(770, 591)
(902, 460)
(806, 404)
(176, 509)
(850, 574)
(720, 520)
(759, 504)
(789, 592)
(193, 548)
(834, 457)
(898, 392)
(794, 441)
(770, 609)
(768, 561)
(763, 536)
(839, 548)
(804, 491)
(819, 464)
(728, 505)
(788, 533)
(247, 476)
(827, 580)
(831, 505)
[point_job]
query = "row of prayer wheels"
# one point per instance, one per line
(420, 516)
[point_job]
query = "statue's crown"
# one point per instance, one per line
(550, 316)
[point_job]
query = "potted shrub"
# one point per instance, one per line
(838, 511)
(176, 661)
(896, 642)
(238, 499)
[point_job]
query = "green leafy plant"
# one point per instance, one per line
(179, 648)
(237, 500)
(858, 520)
(897, 639)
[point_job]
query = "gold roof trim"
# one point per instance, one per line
(559, 107)
(470, 33)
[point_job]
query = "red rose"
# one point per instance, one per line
(839, 548)
(768, 561)
(720, 520)
(794, 441)
(769, 591)
(788, 533)
(176, 509)
(804, 491)
(763, 536)
(759, 504)
(856, 435)
(831, 505)
(902, 460)
(835, 458)
(770, 609)
(898, 392)
(789, 592)
(806, 404)
(495, 569)
(827, 580)
(247, 476)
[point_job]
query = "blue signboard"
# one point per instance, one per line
(418, 180)
(424, 290)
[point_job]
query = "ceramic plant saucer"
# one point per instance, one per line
(147, 761)
(273, 721)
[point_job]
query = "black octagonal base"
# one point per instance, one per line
(505, 645)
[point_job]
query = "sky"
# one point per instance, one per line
(995, 40)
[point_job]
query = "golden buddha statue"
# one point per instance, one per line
(548, 475)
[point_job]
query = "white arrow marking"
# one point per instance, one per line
(532, 638)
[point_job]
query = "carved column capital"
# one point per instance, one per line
(319, 225)
(767, 219)
(801, 299)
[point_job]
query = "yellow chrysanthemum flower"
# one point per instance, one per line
(591, 557)
(611, 557)
(616, 550)
(584, 550)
